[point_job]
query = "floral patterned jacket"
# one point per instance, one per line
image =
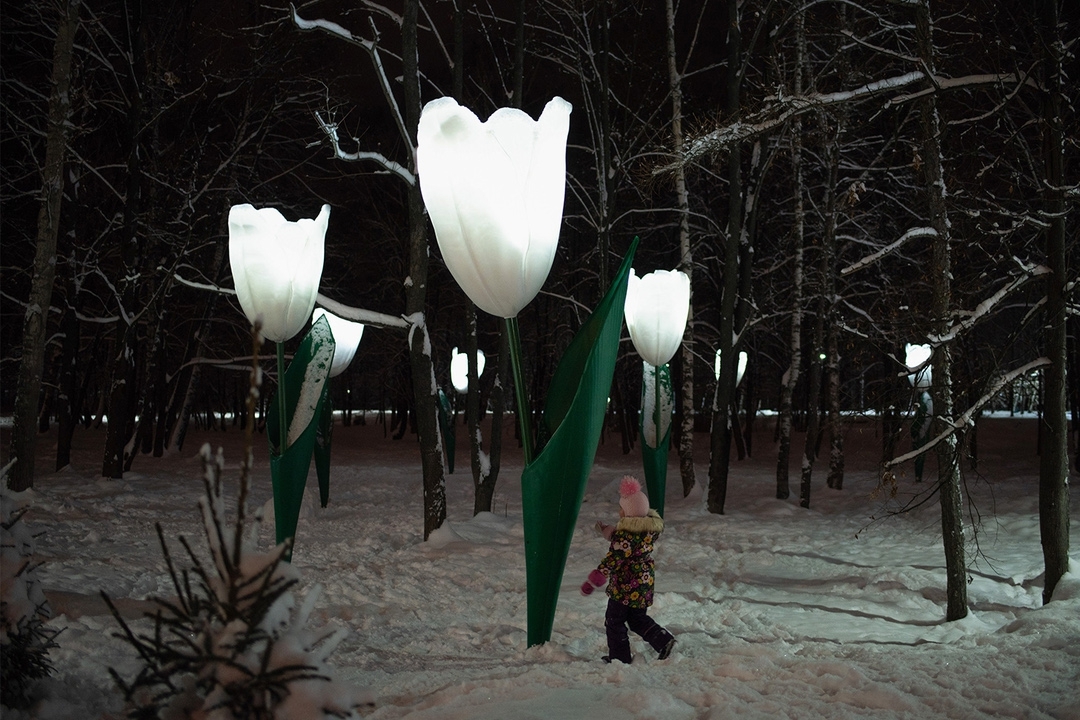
(628, 564)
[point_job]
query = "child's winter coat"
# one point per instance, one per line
(628, 565)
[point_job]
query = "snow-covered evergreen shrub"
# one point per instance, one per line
(233, 644)
(25, 640)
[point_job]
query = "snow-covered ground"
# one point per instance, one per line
(831, 612)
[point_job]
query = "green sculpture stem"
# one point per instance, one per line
(656, 407)
(283, 420)
(524, 422)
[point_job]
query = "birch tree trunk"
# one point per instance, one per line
(686, 261)
(791, 377)
(835, 477)
(35, 322)
(952, 526)
(1054, 462)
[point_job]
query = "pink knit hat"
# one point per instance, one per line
(633, 502)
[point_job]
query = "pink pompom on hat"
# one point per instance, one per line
(633, 502)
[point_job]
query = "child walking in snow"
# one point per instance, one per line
(628, 568)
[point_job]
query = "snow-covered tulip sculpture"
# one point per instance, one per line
(347, 335)
(276, 266)
(917, 359)
(656, 309)
(494, 191)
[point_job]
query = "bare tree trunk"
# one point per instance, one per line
(69, 382)
(720, 445)
(813, 407)
(423, 372)
(122, 388)
(941, 390)
(686, 261)
(35, 321)
(791, 377)
(1054, 462)
(835, 478)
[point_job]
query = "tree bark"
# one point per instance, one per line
(835, 421)
(686, 262)
(720, 445)
(1054, 461)
(122, 388)
(951, 498)
(35, 321)
(423, 372)
(791, 377)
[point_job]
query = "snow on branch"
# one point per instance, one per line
(953, 426)
(331, 27)
(986, 306)
(368, 317)
(918, 232)
(331, 130)
(372, 49)
(780, 110)
(202, 286)
(941, 83)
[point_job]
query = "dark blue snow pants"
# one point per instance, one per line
(618, 640)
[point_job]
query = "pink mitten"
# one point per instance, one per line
(596, 579)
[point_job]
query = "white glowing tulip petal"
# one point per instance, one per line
(494, 192)
(459, 369)
(916, 355)
(347, 335)
(656, 309)
(739, 371)
(276, 267)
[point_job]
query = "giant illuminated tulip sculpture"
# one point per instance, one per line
(276, 267)
(657, 306)
(347, 335)
(494, 191)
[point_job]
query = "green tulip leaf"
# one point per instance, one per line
(323, 434)
(306, 394)
(553, 485)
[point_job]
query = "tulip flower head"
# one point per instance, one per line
(916, 356)
(459, 368)
(494, 191)
(347, 336)
(276, 267)
(739, 371)
(656, 309)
